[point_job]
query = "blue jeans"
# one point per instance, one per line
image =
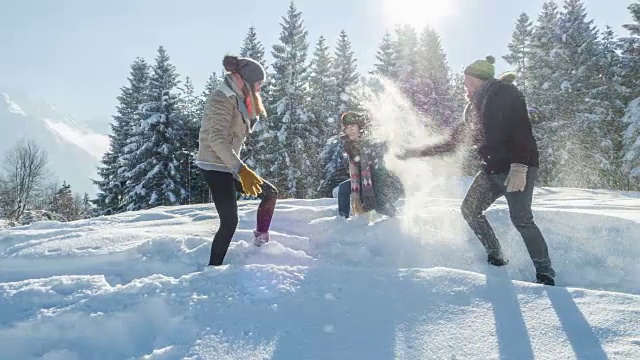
(344, 198)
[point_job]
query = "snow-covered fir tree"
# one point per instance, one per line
(252, 47)
(254, 151)
(432, 81)
(606, 101)
(86, 210)
(111, 183)
(345, 79)
(542, 87)
(63, 203)
(631, 158)
(458, 94)
(288, 132)
(189, 105)
(520, 51)
(212, 83)
(630, 49)
(200, 192)
(322, 84)
(578, 159)
(323, 106)
(630, 66)
(157, 177)
(345, 73)
(406, 49)
(386, 64)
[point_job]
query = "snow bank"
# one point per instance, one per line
(263, 311)
(133, 285)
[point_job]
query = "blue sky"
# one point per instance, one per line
(76, 53)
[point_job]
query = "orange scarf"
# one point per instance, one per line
(248, 101)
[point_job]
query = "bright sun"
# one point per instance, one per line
(417, 13)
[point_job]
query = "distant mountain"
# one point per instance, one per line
(99, 125)
(74, 149)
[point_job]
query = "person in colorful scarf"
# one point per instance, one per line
(230, 114)
(370, 186)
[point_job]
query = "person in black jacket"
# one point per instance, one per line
(496, 124)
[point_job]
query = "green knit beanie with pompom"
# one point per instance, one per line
(482, 69)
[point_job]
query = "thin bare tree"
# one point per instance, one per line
(25, 166)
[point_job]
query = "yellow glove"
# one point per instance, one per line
(250, 181)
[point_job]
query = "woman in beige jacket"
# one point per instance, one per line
(230, 114)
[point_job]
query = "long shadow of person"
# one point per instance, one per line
(584, 341)
(513, 338)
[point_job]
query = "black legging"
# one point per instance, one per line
(224, 188)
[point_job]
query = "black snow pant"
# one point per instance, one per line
(224, 188)
(484, 191)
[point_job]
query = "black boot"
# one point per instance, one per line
(496, 260)
(545, 279)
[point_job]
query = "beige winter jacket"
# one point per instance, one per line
(223, 130)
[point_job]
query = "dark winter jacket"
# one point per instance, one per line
(498, 126)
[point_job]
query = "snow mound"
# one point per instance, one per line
(135, 285)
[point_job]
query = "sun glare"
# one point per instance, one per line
(417, 13)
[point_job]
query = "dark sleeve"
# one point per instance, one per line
(448, 145)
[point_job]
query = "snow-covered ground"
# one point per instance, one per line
(132, 286)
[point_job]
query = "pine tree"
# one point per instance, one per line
(631, 158)
(386, 56)
(631, 44)
(111, 185)
(345, 79)
(432, 81)
(252, 48)
(212, 83)
(608, 109)
(158, 178)
(629, 47)
(345, 73)
(580, 160)
(189, 106)
(323, 106)
(200, 193)
(86, 209)
(406, 49)
(63, 203)
(543, 86)
(458, 94)
(253, 153)
(322, 84)
(630, 72)
(520, 50)
(287, 131)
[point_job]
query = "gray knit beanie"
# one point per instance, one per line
(250, 70)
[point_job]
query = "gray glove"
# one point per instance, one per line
(517, 178)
